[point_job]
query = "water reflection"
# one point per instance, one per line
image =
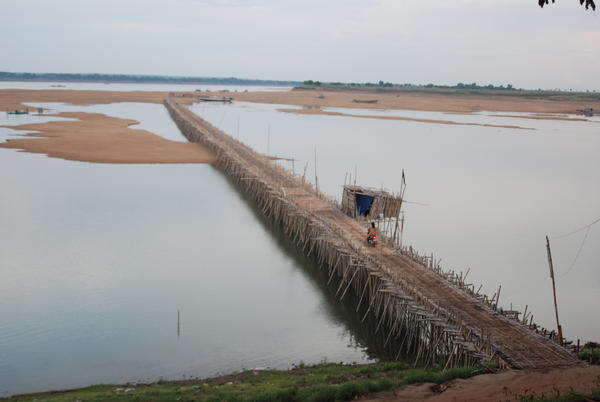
(97, 259)
(359, 333)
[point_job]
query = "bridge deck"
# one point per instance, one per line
(513, 342)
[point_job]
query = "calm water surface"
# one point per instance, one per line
(96, 259)
(482, 197)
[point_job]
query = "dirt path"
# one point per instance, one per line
(504, 386)
(100, 138)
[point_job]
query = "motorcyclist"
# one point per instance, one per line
(372, 233)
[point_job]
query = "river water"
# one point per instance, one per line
(479, 198)
(98, 259)
(99, 86)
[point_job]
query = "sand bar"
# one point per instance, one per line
(100, 138)
(417, 101)
(11, 99)
(365, 116)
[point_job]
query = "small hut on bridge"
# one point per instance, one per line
(378, 206)
(369, 203)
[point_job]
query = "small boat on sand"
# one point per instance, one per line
(586, 112)
(216, 99)
(366, 100)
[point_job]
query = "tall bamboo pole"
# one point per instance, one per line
(560, 337)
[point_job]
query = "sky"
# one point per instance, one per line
(401, 41)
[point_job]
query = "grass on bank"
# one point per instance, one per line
(590, 354)
(322, 382)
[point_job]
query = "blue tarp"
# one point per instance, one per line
(363, 203)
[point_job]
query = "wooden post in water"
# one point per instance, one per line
(269, 140)
(560, 337)
(316, 177)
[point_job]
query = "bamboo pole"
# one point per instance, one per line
(559, 328)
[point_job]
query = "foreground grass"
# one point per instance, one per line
(590, 354)
(322, 382)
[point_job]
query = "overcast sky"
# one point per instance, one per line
(415, 41)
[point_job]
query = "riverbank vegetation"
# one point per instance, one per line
(321, 382)
(590, 353)
(459, 89)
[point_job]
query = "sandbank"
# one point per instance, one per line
(104, 139)
(365, 116)
(417, 101)
(12, 99)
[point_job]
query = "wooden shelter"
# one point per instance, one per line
(372, 204)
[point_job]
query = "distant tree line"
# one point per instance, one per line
(474, 85)
(460, 85)
(351, 84)
(132, 78)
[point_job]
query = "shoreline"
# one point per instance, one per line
(384, 381)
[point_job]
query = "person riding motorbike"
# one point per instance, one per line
(372, 234)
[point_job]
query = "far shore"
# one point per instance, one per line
(12, 99)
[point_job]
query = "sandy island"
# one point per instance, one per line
(97, 137)
(417, 101)
(11, 99)
(105, 139)
(366, 116)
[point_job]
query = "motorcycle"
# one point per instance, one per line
(372, 241)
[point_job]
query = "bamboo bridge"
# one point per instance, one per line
(417, 309)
